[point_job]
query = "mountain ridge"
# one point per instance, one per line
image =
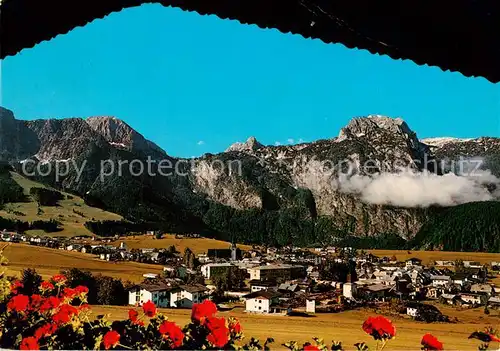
(260, 193)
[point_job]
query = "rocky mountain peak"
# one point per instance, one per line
(374, 124)
(250, 145)
(6, 115)
(121, 135)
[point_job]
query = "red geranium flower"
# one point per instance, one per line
(132, 315)
(64, 314)
(218, 337)
(379, 327)
(18, 303)
(16, 284)
(84, 307)
(311, 348)
(111, 339)
(173, 332)
(235, 327)
(29, 343)
(81, 290)
(36, 301)
(45, 285)
(430, 342)
(202, 311)
(219, 333)
(215, 323)
(149, 309)
(485, 337)
(59, 279)
(45, 330)
(69, 293)
(50, 303)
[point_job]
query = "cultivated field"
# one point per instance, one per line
(197, 245)
(345, 327)
(48, 262)
(429, 257)
(72, 223)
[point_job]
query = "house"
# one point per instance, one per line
(376, 291)
(158, 293)
(412, 310)
(494, 302)
(449, 299)
(444, 263)
(184, 296)
(460, 278)
(263, 301)
(472, 264)
(278, 272)
(349, 290)
(210, 270)
(288, 288)
(257, 285)
(413, 262)
(423, 312)
(440, 280)
(474, 298)
(310, 305)
(481, 288)
(232, 253)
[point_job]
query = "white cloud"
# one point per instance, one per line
(424, 189)
(301, 141)
(201, 142)
(277, 143)
(290, 140)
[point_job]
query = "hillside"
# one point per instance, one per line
(468, 227)
(305, 194)
(48, 262)
(72, 212)
(197, 245)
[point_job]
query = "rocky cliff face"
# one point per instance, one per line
(121, 135)
(306, 180)
(17, 142)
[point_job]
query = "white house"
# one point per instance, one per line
(440, 280)
(471, 298)
(262, 302)
(412, 311)
(311, 305)
(159, 294)
(185, 296)
(257, 285)
(349, 290)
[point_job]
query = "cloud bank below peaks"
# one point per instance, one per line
(421, 189)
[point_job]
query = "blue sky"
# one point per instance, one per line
(196, 84)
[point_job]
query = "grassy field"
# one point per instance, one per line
(428, 257)
(72, 223)
(197, 245)
(48, 262)
(345, 327)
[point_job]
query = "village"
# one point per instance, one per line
(291, 280)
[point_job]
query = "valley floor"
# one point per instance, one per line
(345, 327)
(48, 262)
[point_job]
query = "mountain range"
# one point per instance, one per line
(375, 178)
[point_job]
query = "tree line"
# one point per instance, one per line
(103, 290)
(49, 226)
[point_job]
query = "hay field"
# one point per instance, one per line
(197, 245)
(48, 262)
(430, 256)
(72, 223)
(345, 327)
